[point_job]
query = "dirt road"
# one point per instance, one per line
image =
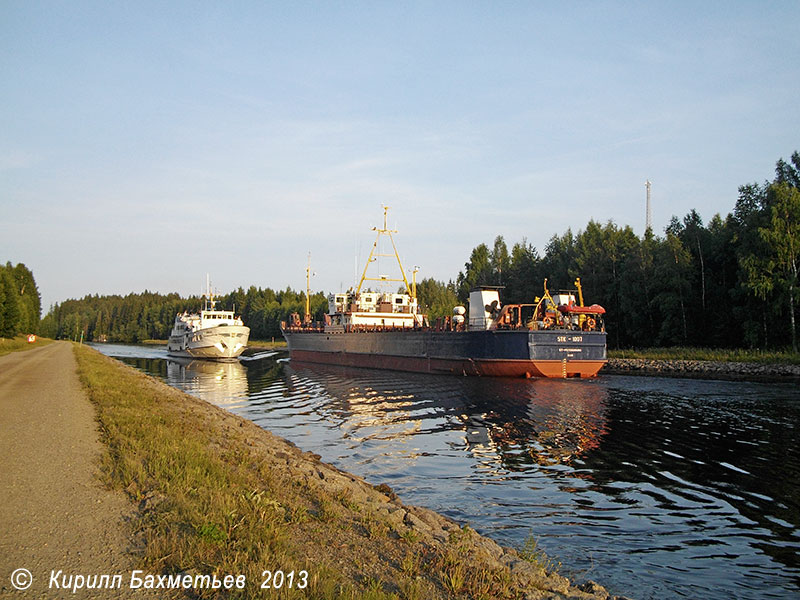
(54, 513)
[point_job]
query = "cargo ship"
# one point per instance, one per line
(553, 336)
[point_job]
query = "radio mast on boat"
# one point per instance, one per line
(308, 290)
(373, 256)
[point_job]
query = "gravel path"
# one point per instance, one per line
(54, 512)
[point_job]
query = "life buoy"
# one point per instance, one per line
(590, 323)
(548, 322)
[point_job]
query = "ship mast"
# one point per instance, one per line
(308, 290)
(210, 302)
(373, 257)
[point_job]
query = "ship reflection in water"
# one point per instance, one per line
(506, 424)
(222, 383)
(657, 488)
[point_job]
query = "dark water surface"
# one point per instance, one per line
(655, 487)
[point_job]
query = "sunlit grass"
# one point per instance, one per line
(276, 343)
(536, 556)
(713, 354)
(211, 506)
(20, 342)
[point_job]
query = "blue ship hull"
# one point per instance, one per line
(504, 353)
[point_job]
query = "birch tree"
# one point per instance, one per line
(782, 235)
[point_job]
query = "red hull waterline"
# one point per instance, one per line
(456, 366)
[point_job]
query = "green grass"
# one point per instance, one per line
(715, 354)
(268, 344)
(215, 498)
(538, 557)
(20, 343)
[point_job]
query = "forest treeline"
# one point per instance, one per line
(20, 302)
(730, 282)
(150, 316)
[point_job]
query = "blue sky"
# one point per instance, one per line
(143, 145)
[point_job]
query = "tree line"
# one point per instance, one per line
(20, 302)
(150, 316)
(730, 282)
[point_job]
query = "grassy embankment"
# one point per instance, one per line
(20, 342)
(217, 494)
(711, 354)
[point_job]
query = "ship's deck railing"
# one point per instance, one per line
(444, 324)
(440, 324)
(320, 328)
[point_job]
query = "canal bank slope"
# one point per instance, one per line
(703, 369)
(216, 494)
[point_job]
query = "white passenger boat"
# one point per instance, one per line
(213, 334)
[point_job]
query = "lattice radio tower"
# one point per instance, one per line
(649, 217)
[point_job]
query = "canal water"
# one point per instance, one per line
(655, 487)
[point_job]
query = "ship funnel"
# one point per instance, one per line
(484, 305)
